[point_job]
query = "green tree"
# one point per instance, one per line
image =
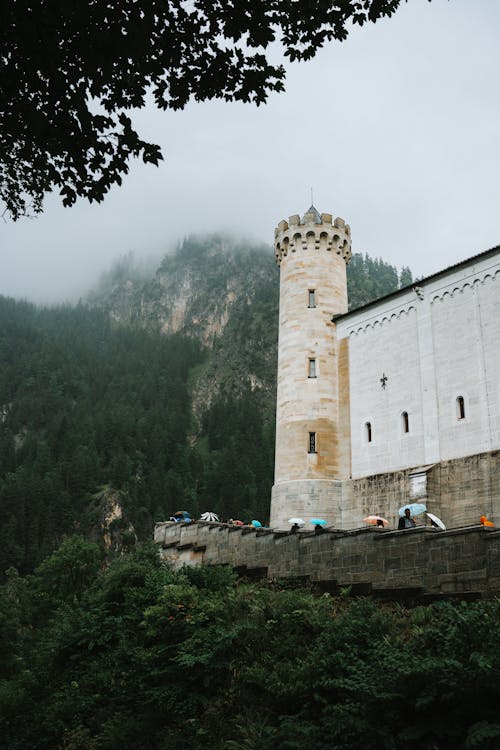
(80, 410)
(370, 278)
(406, 277)
(69, 570)
(69, 73)
(144, 656)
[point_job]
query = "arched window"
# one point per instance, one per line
(405, 422)
(368, 432)
(460, 407)
(312, 368)
(311, 297)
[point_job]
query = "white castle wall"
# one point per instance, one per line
(434, 342)
(390, 349)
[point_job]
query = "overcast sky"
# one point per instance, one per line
(397, 130)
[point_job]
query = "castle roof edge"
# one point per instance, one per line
(418, 282)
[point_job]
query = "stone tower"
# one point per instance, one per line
(312, 453)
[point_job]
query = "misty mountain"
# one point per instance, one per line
(225, 294)
(219, 291)
(155, 394)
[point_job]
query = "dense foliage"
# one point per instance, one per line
(135, 655)
(86, 405)
(71, 72)
(369, 279)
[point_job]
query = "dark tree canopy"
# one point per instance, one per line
(133, 654)
(70, 71)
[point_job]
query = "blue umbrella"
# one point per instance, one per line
(415, 509)
(318, 521)
(256, 524)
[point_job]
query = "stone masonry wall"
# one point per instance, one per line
(421, 562)
(467, 487)
(306, 499)
(459, 491)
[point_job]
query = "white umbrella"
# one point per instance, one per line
(436, 521)
(298, 521)
(209, 516)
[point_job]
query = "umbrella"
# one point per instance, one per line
(208, 516)
(374, 520)
(238, 523)
(183, 513)
(415, 509)
(484, 521)
(436, 521)
(298, 521)
(256, 524)
(318, 521)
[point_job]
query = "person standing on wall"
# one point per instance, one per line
(406, 521)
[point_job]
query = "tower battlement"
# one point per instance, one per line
(314, 231)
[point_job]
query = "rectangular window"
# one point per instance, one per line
(312, 368)
(312, 442)
(312, 298)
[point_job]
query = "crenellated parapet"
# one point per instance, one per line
(314, 231)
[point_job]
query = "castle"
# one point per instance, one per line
(396, 401)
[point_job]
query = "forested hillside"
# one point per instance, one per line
(134, 655)
(87, 405)
(371, 278)
(157, 394)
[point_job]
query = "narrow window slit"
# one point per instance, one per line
(312, 442)
(368, 432)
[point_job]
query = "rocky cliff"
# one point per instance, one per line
(223, 293)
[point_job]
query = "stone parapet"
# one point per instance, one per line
(421, 562)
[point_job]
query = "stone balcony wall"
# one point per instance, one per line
(421, 562)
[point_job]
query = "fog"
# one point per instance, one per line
(396, 130)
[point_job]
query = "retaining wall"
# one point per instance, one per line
(420, 562)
